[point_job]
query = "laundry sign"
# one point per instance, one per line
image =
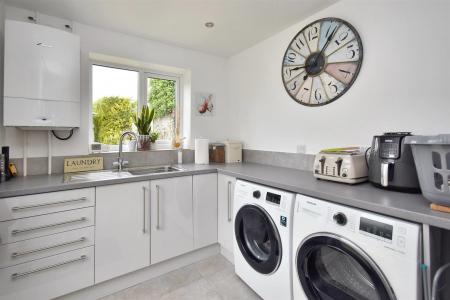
(79, 164)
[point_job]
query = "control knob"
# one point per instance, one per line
(257, 194)
(340, 219)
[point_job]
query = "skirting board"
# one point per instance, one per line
(120, 283)
(227, 254)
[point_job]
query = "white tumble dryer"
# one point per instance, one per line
(346, 253)
(262, 239)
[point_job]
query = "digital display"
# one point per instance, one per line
(376, 228)
(274, 198)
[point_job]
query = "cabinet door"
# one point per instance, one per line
(172, 223)
(122, 235)
(205, 210)
(225, 196)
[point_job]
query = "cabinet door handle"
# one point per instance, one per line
(229, 201)
(16, 208)
(143, 204)
(157, 207)
(18, 231)
(18, 254)
(24, 274)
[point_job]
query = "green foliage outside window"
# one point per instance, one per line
(161, 96)
(111, 117)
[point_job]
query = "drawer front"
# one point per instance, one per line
(25, 251)
(49, 277)
(39, 204)
(28, 228)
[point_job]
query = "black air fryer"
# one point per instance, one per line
(391, 163)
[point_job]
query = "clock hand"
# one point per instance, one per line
(330, 37)
(328, 41)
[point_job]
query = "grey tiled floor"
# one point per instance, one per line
(212, 278)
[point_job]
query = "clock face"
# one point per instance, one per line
(322, 62)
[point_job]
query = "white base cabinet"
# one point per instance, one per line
(49, 277)
(122, 235)
(171, 218)
(205, 210)
(225, 220)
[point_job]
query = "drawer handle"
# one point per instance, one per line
(24, 274)
(16, 208)
(18, 254)
(18, 231)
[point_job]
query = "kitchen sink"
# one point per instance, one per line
(114, 174)
(95, 176)
(153, 170)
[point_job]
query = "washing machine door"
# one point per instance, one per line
(258, 239)
(331, 267)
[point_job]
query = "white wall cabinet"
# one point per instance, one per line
(205, 209)
(171, 217)
(42, 74)
(225, 195)
(122, 235)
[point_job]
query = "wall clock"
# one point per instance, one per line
(322, 61)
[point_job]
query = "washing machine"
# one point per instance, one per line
(346, 253)
(262, 243)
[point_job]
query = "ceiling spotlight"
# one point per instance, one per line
(209, 24)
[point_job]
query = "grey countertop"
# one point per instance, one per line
(411, 207)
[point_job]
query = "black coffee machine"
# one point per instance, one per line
(391, 163)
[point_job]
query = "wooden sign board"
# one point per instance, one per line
(80, 164)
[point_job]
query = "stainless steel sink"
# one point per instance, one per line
(153, 170)
(115, 174)
(95, 176)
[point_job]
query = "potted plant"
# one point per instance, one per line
(153, 137)
(143, 123)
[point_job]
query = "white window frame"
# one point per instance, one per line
(143, 75)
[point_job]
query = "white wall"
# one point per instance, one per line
(206, 72)
(403, 84)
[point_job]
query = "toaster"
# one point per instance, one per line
(347, 165)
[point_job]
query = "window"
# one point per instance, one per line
(162, 96)
(114, 102)
(118, 94)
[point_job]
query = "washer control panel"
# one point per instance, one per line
(361, 226)
(264, 195)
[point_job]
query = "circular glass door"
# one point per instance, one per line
(330, 267)
(258, 239)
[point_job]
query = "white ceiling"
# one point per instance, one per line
(239, 23)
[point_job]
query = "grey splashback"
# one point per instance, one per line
(39, 165)
(300, 161)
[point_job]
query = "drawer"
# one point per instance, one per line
(49, 277)
(39, 204)
(24, 251)
(33, 227)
